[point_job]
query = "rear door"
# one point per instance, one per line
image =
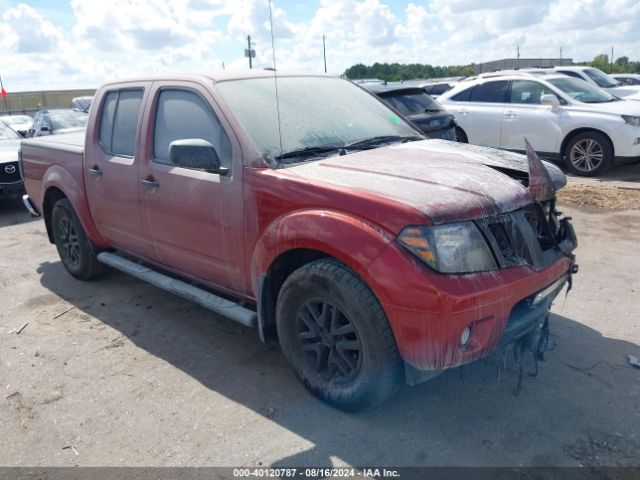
(195, 218)
(524, 117)
(111, 167)
(478, 110)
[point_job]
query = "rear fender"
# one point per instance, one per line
(57, 177)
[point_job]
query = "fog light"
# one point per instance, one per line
(464, 337)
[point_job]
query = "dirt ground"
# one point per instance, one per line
(118, 373)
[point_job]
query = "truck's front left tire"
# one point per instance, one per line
(334, 333)
(77, 253)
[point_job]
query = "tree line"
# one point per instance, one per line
(393, 72)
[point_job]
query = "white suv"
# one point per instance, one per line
(562, 117)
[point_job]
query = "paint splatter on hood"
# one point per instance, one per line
(446, 181)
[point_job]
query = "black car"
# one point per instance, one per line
(57, 121)
(418, 107)
(11, 186)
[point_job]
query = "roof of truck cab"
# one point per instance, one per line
(219, 76)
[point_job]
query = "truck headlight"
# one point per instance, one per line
(452, 248)
(631, 120)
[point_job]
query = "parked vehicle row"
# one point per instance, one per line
(19, 123)
(564, 119)
(418, 107)
(320, 217)
(57, 121)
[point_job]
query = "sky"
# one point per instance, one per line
(55, 44)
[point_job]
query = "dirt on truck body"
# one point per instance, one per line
(326, 221)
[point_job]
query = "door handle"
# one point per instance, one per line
(510, 114)
(462, 112)
(150, 184)
(95, 172)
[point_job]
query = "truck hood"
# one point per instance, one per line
(9, 150)
(447, 181)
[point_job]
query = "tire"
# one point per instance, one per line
(461, 136)
(335, 335)
(76, 251)
(589, 154)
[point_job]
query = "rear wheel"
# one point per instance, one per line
(461, 136)
(589, 154)
(337, 338)
(76, 251)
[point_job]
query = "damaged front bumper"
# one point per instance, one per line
(444, 321)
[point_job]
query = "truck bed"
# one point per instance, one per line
(71, 142)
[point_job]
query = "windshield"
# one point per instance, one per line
(602, 79)
(412, 102)
(61, 121)
(7, 134)
(581, 91)
(17, 119)
(314, 112)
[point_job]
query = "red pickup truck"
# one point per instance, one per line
(306, 208)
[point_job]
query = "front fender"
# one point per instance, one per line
(352, 240)
(60, 178)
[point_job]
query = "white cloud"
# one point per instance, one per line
(106, 40)
(25, 31)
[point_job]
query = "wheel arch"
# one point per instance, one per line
(59, 183)
(303, 237)
(573, 133)
(51, 196)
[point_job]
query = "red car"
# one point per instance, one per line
(317, 216)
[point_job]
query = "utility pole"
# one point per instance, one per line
(248, 52)
(324, 51)
(518, 56)
(560, 55)
(611, 63)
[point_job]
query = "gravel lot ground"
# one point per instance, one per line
(116, 372)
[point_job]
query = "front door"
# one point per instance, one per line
(524, 117)
(111, 167)
(195, 218)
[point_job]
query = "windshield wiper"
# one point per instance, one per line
(319, 150)
(374, 141)
(308, 151)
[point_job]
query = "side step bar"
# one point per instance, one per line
(206, 299)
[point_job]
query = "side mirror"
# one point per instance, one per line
(550, 99)
(196, 153)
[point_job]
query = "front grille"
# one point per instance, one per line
(9, 172)
(525, 237)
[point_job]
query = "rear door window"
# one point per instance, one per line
(183, 114)
(119, 122)
(489, 92)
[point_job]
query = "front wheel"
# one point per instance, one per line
(589, 154)
(74, 247)
(334, 333)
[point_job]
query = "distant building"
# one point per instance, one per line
(31, 102)
(515, 63)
